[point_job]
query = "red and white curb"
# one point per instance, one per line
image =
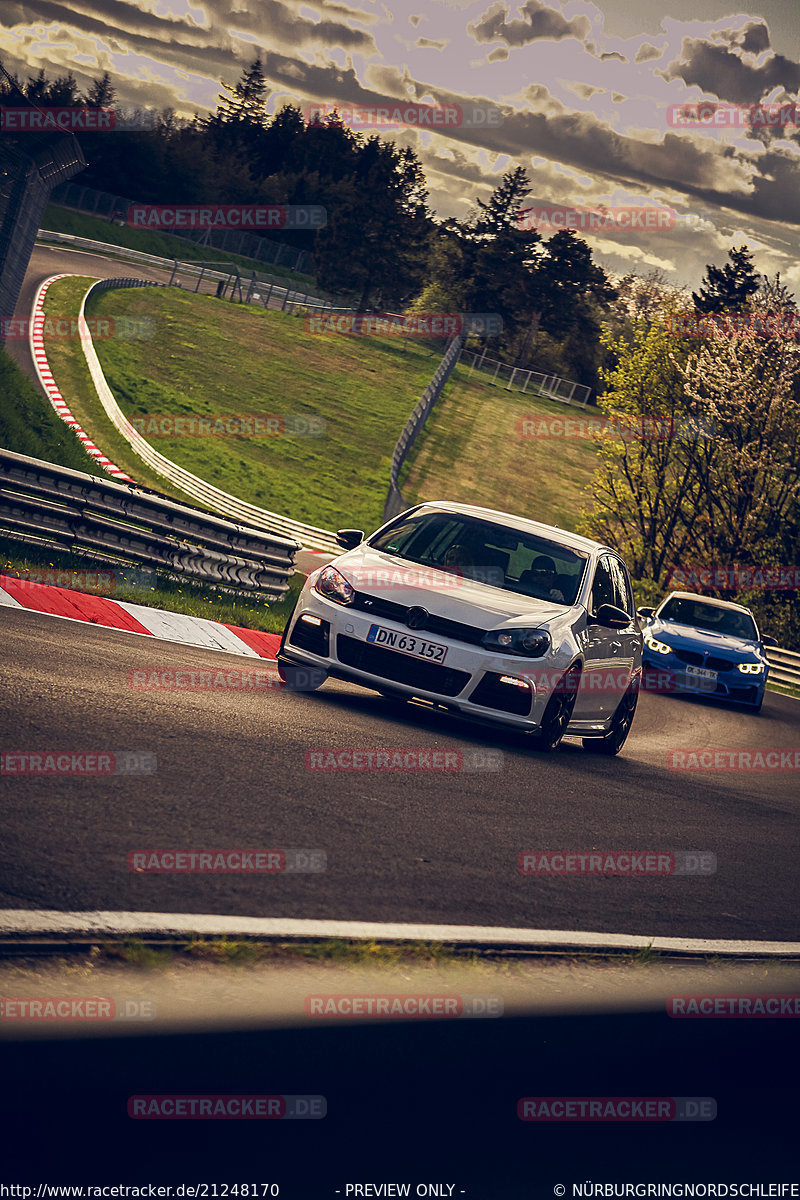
(136, 618)
(45, 377)
(21, 923)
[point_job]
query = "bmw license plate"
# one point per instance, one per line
(701, 677)
(406, 643)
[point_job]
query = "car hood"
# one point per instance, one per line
(688, 638)
(441, 593)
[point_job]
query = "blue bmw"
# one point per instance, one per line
(695, 644)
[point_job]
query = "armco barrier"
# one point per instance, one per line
(61, 509)
(394, 500)
(784, 666)
(278, 287)
(230, 507)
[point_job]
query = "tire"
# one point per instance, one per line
(613, 741)
(558, 711)
(297, 678)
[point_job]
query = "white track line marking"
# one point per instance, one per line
(104, 924)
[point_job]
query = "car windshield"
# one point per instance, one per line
(488, 553)
(711, 617)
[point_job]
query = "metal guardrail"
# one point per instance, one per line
(229, 506)
(784, 665)
(394, 500)
(62, 509)
(188, 267)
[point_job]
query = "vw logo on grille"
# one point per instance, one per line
(417, 618)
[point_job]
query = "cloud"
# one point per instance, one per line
(430, 44)
(646, 52)
(539, 22)
(721, 70)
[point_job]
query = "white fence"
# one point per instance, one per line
(535, 383)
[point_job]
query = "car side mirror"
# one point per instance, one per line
(645, 612)
(768, 641)
(350, 538)
(612, 617)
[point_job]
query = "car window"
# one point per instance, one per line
(488, 553)
(603, 591)
(622, 587)
(711, 617)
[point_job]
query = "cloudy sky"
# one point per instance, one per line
(580, 94)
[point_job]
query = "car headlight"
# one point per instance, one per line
(653, 644)
(333, 586)
(750, 668)
(527, 643)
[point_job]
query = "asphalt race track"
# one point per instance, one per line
(400, 846)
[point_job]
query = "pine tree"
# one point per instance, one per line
(245, 102)
(102, 93)
(728, 288)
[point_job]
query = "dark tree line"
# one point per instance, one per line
(381, 245)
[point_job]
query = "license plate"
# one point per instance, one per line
(406, 643)
(702, 673)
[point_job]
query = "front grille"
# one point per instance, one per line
(505, 697)
(313, 638)
(699, 660)
(390, 610)
(745, 695)
(401, 668)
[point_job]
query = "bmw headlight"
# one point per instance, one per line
(750, 668)
(653, 644)
(527, 643)
(333, 586)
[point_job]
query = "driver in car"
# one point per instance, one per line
(541, 580)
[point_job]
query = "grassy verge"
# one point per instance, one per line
(163, 245)
(125, 583)
(28, 424)
(211, 358)
(472, 450)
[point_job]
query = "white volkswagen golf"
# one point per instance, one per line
(485, 614)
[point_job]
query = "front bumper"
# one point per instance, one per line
(470, 681)
(666, 673)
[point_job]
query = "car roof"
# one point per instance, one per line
(573, 541)
(707, 600)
